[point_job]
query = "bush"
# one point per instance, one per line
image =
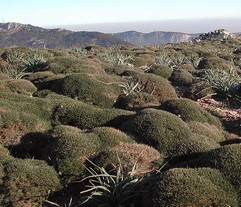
(83, 87)
(85, 116)
(189, 110)
(136, 101)
(159, 129)
(70, 147)
(129, 154)
(20, 86)
(156, 85)
(161, 70)
(182, 77)
(227, 160)
(28, 182)
(182, 187)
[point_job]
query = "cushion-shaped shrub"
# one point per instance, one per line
(136, 101)
(227, 160)
(18, 86)
(159, 129)
(182, 77)
(189, 110)
(70, 147)
(183, 187)
(14, 124)
(85, 116)
(28, 182)
(128, 155)
(214, 63)
(85, 88)
(161, 70)
(156, 85)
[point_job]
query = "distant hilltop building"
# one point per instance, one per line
(216, 34)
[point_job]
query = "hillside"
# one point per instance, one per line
(15, 34)
(152, 38)
(163, 120)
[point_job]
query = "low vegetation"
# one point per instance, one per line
(83, 125)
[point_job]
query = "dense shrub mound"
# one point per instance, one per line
(84, 116)
(160, 129)
(161, 70)
(27, 182)
(85, 88)
(128, 155)
(189, 110)
(199, 187)
(18, 86)
(182, 77)
(156, 85)
(227, 160)
(70, 147)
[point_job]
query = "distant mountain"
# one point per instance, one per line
(157, 37)
(16, 34)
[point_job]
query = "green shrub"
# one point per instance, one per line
(189, 110)
(161, 70)
(85, 116)
(70, 147)
(18, 86)
(182, 77)
(136, 101)
(129, 154)
(83, 87)
(159, 129)
(28, 182)
(156, 85)
(227, 160)
(182, 187)
(214, 63)
(14, 124)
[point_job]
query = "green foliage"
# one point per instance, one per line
(226, 83)
(85, 88)
(182, 77)
(161, 130)
(70, 147)
(118, 189)
(24, 87)
(227, 160)
(182, 187)
(156, 85)
(161, 70)
(85, 116)
(35, 62)
(114, 56)
(189, 110)
(129, 154)
(28, 181)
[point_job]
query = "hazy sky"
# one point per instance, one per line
(71, 12)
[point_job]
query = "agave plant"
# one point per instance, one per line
(107, 190)
(225, 82)
(35, 62)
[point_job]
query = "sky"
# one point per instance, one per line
(91, 14)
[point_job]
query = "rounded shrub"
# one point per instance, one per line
(28, 182)
(227, 160)
(183, 187)
(83, 87)
(214, 63)
(161, 70)
(127, 155)
(20, 86)
(84, 116)
(70, 147)
(159, 129)
(189, 110)
(156, 85)
(136, 101)
(182, 77)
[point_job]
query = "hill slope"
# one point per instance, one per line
(157, 37)
(16, 34)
